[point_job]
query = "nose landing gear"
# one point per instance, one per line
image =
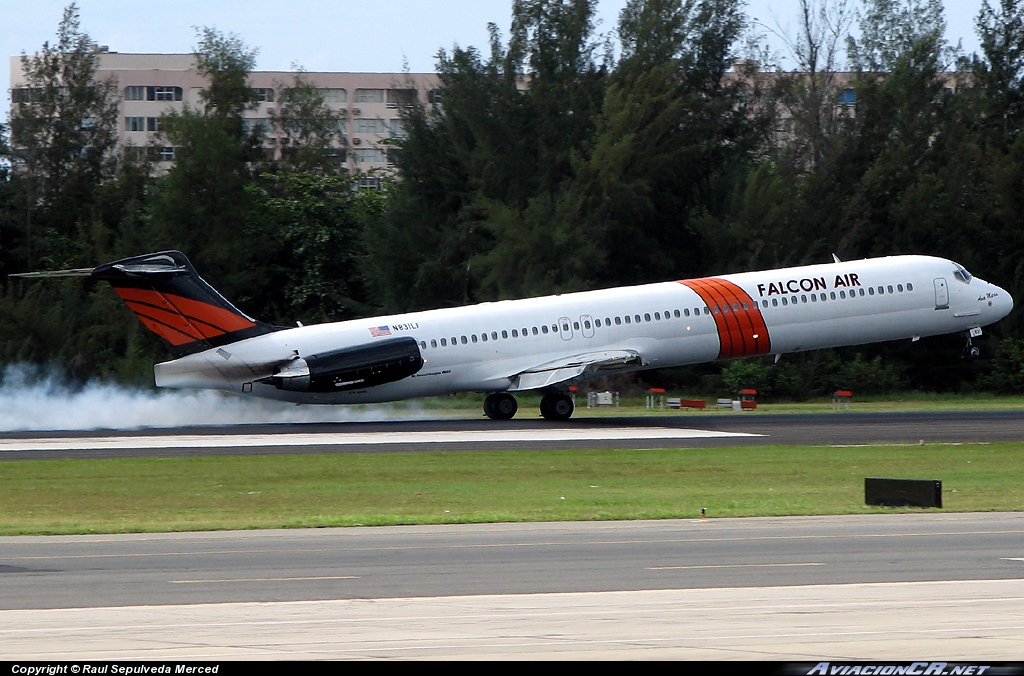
(971, 351)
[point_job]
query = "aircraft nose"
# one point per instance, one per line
(1003, 302)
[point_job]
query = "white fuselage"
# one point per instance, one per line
(484, 347)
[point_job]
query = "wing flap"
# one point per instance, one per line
(575, 367)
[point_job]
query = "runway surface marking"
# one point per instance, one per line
(496, 545)
(359, 438)
(736, 565)
(268, 579)
(976, 619)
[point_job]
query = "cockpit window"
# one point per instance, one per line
(961, 274)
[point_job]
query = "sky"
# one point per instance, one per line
(330, 35)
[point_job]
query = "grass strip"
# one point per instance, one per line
(215, 493)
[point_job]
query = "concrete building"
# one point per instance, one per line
(151, 84)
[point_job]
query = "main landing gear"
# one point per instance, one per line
(555, 406)
(500, 406)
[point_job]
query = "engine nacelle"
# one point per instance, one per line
(377, 363)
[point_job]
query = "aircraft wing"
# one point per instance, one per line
(579, 366)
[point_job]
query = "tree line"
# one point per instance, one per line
(555, 159)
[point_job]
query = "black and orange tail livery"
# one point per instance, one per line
(170, 298)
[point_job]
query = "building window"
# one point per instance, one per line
(337, 154)
(251, 124)
(164, 94)
(435, 96)
(26, 94)
(334, 95)
(141, 93)
(362, 155)
(166, 154)
(371, 183)
(152, 124)
(136, 153)
(395, 128)
(364, 125)
(401, 97)
(847, 97)
(263, 94)
(135, 124)
(369, 96)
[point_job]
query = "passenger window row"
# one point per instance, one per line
(545, 329)
(553, 328)
(842, 295)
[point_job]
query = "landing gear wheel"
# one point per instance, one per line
(500, 406)
(557, 406)
(971, 350)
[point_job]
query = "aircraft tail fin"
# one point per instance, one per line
(170, 298)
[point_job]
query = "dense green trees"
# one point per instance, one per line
(554, 159)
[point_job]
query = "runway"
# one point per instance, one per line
(687, 431)
(896, 586)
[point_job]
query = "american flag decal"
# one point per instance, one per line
(378, 331)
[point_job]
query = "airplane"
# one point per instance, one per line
(547, 343)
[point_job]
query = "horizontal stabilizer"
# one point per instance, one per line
(49, 274)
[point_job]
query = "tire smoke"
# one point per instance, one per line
(35, 399)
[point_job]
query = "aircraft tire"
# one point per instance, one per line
(557, 407)
(500, 406)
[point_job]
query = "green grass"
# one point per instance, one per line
(212, 493)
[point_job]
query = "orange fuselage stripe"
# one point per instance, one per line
(741, 333)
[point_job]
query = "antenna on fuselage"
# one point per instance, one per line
(835, 259)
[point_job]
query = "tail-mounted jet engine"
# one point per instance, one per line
(364, 366)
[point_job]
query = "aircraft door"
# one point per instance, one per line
(565, 328)
(941, 294)
(587, 326)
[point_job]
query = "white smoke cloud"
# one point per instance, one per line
(36, 400)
